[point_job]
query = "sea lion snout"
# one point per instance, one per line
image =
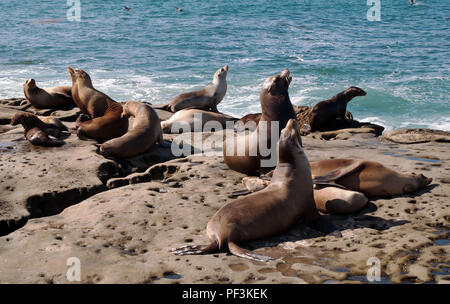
(30, 83)
(357, 91)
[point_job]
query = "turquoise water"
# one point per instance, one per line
(153, 53)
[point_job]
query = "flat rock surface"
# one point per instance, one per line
(413, 136)
(123, 235)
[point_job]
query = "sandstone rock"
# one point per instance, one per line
(413, 136)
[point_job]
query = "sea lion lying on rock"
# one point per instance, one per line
(38, 132)
(205, 99)
(287, 199)
(47, 98)
(146, 131)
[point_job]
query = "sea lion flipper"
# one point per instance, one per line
(247, 254)
(338, 173)
(195, 249)
(324, 225)
(240, 193)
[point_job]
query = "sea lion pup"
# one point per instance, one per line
(45, 98)
(242, 153)
(194, 120)
(205, 99)
(287, 199)
(325, 112)
(145, 132)
(367, 177)
(36, 131)
(102, 117)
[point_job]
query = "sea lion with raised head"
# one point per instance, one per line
(205, 99)
(368, 177)
(36, 131)
(243, 152)
(102, 116)
(146, 131)
(194, 120)
(324, 113)
(46, 98)
(287, 199)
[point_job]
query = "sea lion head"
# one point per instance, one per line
(79, 75)
(278, 84)
(164, 127)
(290, 142)
(418, 181)
(30, 83)
(355, 91)
(23, 118)
(221, 73)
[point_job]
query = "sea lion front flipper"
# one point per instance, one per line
(247, 254)
(195, 249)
(338, 173)
(324, 225)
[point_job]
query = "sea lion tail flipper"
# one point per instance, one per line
(162, 107)
(247, 254)
(195, 249)
(240, 193)
(324, 225)
(338, 173)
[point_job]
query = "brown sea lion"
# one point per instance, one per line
(102, 116)
(367, 177)
(287, 199)
(194, 120)
(145, 132)
(36, 131)
(205, 99)
(248, 122)
(45, 98)
(330, 199)
(243, 153)
(325, 112)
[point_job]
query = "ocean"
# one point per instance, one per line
(153, 52)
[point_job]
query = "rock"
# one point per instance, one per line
(414, 136)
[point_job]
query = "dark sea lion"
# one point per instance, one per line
(36, 131)
(287, 199)
(367, 177)
(102, 117)
(45, 98)
(191, 118)
(325, 112)
(276, 107)
(146, 131)
(205, 99)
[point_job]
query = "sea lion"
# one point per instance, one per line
(332, 199)
(325, 112)
(276, 108)
(102, 117)
(248, 122)
(36, 131)
(45, 98)
(145, 132)
(287, 199)
(205, 99)
(194, 120)
(368, 177)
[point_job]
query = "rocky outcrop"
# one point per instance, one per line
(414, 136)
